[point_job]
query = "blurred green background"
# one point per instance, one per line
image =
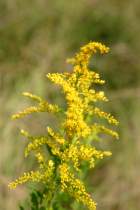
(36, 36)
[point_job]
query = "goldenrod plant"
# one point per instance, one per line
(61, 154)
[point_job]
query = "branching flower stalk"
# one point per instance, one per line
(60, 164)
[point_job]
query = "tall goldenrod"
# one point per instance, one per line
(60, 164)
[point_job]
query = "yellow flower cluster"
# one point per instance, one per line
(43, 106)
(82, 58)
(80, 95)
(56, 136)
(35, 176)
(76, 153)
(102, 129)
(75, 187)
(60, 156)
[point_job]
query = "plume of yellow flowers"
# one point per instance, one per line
(60, 155)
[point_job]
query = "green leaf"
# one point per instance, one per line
(21, 208)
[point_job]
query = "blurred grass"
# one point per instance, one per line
(36, 37)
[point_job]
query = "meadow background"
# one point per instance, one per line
(36, 37)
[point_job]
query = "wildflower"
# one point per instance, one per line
(60, 155)
(43, 106)
(75, 187)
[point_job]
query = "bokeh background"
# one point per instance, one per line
(36, 36)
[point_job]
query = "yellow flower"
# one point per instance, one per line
(60, 154)
(43, 106)
(75, 187)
